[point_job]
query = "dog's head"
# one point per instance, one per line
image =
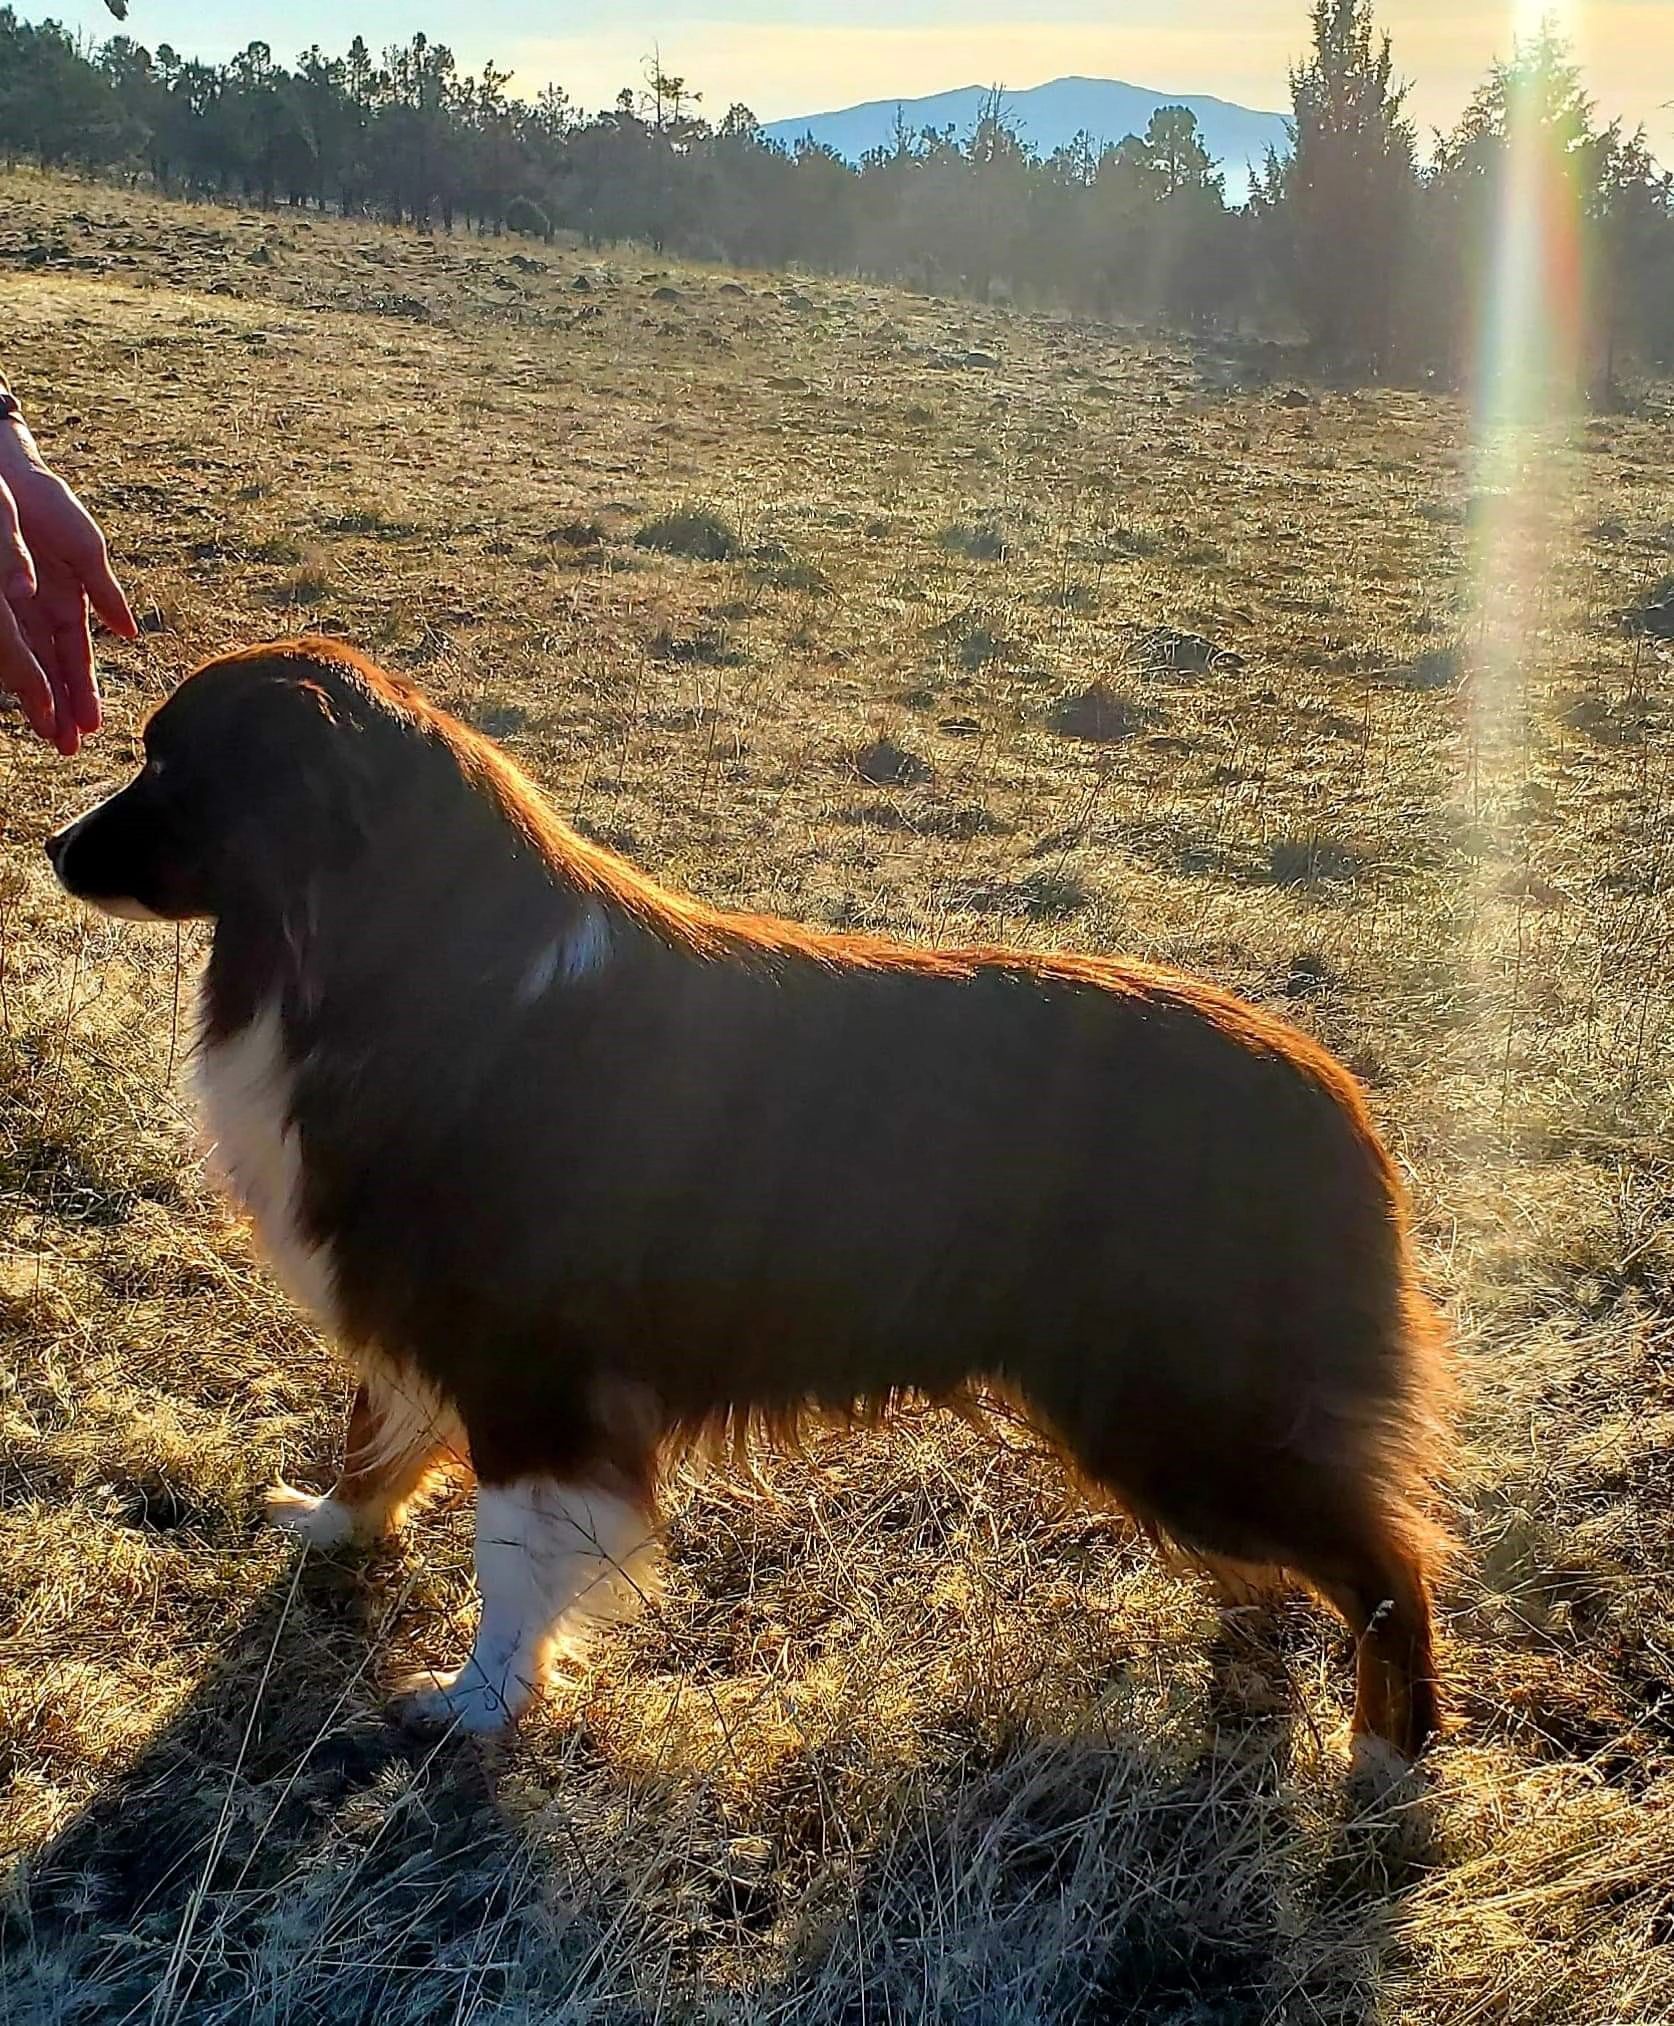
(261, 772)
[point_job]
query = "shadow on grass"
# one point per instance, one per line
(281, 1851)
(247, 1825)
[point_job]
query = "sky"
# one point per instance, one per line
(784, 57)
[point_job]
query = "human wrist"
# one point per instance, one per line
(17, 446)
(19, 454)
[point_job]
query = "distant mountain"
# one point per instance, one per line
(1049, 115)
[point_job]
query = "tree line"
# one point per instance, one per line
(1375, 251)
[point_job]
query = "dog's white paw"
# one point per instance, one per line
(462, 1699)
(323, 1522)
(1379, 1772)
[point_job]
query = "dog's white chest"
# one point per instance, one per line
(244, 1089)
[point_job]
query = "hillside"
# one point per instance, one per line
(1185, 662)
(1049, 116)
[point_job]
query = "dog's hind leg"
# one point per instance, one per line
(1377, 1580)
(400, 1434)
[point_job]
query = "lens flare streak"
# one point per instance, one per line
(1527, 384)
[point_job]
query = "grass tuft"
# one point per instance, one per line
(697, 532)
(981, 540)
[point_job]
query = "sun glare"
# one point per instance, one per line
(1528, 383)
(1529, 369)
(1532, 325)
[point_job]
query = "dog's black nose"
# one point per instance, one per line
(55, 844)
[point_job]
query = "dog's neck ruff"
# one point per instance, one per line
(261, 1019)
(245, 1086)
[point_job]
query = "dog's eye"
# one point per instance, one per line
(153, 768)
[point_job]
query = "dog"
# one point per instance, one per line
(580, 1173)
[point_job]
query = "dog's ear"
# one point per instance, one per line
(339, 770)
(308, 766)
(300, 794)
(294, 798)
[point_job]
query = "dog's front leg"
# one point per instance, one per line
(551, 1556)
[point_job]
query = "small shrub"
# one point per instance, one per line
(773, 563)
(983, 541)
(1130, 544)
(524, 215)
(699, 532)
(709, 647)
(887, 765)
(1164, 650)
(1435, 668)
(576, 535)
(499, 720)
(363, 520)
(1098, 712)
(307, 583)
(975, 639)
(1306, 861)
(1652, 617)
(1046, 895)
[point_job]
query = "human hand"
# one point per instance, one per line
(53, 565)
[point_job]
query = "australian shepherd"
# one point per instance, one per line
(578, 1171)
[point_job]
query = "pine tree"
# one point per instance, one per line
(1337, 208)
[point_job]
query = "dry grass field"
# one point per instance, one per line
(971, 624)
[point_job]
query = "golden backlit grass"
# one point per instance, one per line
(910, 1734)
